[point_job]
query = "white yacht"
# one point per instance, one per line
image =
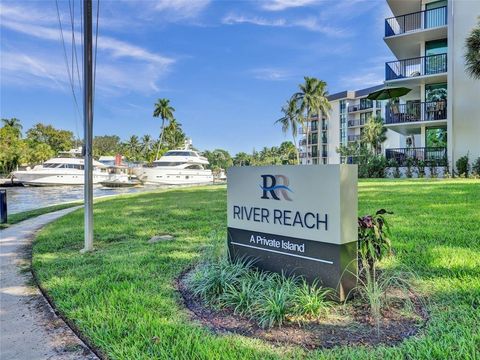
(62, 170)
(176, 167)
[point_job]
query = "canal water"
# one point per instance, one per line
(28, 198)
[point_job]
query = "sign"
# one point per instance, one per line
(300, 220)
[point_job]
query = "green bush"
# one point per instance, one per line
(463, 166)
(372, 166)
(476, 167)
(268, 298)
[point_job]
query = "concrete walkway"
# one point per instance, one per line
(29, 329)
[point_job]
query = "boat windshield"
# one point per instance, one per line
(167, 163)
(180, 153)
(62, 166)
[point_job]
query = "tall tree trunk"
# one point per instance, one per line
(161, 139)
(296, 149)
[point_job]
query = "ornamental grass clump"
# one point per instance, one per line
(269, 299)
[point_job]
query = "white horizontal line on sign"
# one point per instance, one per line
(280, 252)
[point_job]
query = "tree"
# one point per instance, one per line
(14, 124)
(472, 55)
(312, 100)
(106, 145)
(58, 140)
(39, 153)
(242, 159)
(288, 153)
(132, 148)
(174, 137)
(13, 150)
(291, 119)
(218, 159)
(374, 133)
(164, 111)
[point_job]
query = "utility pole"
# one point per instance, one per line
(88, 122)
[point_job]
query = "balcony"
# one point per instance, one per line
(420, 20)
(415, 67)
(430, 155)
(363, 106)
(413, 112)
(314, 154)
(358, 122)
(354, 137)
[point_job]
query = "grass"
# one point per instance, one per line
(16, 218)
(122, 296)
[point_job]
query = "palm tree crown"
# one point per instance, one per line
(312, 99)
(374, 133)
(472, 56)
(164, 111)
(292, 118)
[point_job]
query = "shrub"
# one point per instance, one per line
(476, 167)
(212, 279)
(408, 172)
(433, 169)
(374, 166)
(420, 164)
(268, 298)
(373, 237)
(310, 301)
(463, 166)
(273, 306)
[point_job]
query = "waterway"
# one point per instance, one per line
(28, 198)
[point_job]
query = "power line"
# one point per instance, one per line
(66, 57)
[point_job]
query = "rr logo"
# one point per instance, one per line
(276, 185)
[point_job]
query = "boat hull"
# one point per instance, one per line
(32, 178)
(162, 176)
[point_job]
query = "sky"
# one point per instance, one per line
(227, 66)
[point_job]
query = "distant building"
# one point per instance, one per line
(344, 124)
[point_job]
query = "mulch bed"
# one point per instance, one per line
(350, 326)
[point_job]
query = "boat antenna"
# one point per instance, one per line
(88, 122)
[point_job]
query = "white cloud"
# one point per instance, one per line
(310, 23)
(122, 66)
(278, 5)
(233, 19)
(271, 74)
(181, 8)
(355, 82)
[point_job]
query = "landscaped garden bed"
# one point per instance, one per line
(124, 296)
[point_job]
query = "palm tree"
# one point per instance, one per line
(132, 146)
(472, 56)
(13, 123)
(146, 145)
(374, 133)
(292, 118)
(165, 112)
(312, 100)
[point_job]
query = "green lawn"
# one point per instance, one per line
(16, 218)
(122, 296)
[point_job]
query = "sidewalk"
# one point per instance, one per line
(29, 328)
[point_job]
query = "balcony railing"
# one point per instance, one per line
(314, 154)
(358, 122)
(419, 111)
(354, 137)
(430, 155)
(420, 20)
(363, 106)
(419, 66)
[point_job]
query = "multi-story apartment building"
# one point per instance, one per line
(344, 124)
(440, 117)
